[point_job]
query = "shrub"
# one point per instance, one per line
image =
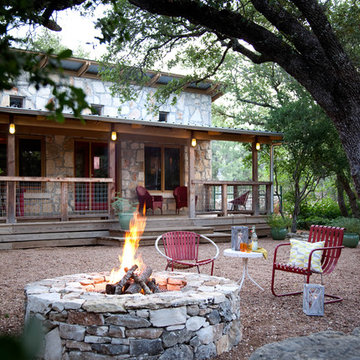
(351, 225)
(324, 208)
(305, 223)
(278, 221)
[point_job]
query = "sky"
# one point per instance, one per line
(79, 31)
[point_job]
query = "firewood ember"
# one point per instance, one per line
(123, 281)
(141, 282)
(153, 286)
(136, 287)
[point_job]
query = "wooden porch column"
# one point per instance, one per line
(224, 199)
(64, 201)
(191, 186)
(255, 177)
(271, 210)
(112, 172)
(11, 185)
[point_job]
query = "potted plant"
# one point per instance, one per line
(352, 230)
(279, 225)
(124, 209)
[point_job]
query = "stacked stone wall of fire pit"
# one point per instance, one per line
(199, 322)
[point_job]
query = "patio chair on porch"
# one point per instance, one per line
(181, 250)
(319, 254)
(240, 201)
(150, 201)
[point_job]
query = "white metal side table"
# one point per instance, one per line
(245, 257)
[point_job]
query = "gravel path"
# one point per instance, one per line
(264, 318)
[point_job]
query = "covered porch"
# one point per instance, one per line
(81, 167)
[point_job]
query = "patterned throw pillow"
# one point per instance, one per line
(300, 251)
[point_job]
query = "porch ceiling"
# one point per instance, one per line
(133, 128)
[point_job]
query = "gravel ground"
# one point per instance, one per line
(264, 318)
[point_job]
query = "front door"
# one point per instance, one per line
(91, 161)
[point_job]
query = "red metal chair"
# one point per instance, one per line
(181, 250)
(150, 201)
(240, 201)
(180, 195)
(333, 238)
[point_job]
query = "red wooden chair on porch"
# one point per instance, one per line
(150, 201)
(240, 201)
(181, 250)
(331, 250)
(180, 196)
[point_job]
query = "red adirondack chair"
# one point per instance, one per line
(333, 238)
(150, 201)
(240, 201)
(181, 250)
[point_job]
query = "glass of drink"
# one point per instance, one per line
(248, 247)
(243, 247)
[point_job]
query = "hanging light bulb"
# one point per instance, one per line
(257, 146)
(193, 142)
(12, 128)
(113, 135)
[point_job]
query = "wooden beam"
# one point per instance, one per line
(255, 178)
(153, 80)
(83, 68)
(112, 175)
(191, 187)
(11, 186)
(43, 61)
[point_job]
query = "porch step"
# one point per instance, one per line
(161, 230)
(149, 240)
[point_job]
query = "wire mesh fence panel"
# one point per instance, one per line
(88, 198)
(37, 199)
(2, 199)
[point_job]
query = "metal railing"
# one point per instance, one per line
(36, 198)
(216, 197)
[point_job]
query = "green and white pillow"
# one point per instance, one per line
(300, 251)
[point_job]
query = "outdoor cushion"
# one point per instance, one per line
(300, 251)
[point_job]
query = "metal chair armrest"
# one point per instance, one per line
(213, 243)
(276, 249)
(322, 249)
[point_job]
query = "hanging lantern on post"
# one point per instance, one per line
(313, 299)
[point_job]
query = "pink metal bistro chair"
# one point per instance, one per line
(331, 251)
(181, 250)
(149, 201)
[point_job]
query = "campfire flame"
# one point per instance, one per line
(129, 257)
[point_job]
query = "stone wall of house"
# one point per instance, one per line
(133, 164)
(190, 108)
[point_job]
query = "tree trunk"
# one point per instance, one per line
(340, 197)
(350, 194)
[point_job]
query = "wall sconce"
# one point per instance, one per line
(257, 144)
(193, 139)
(113, 136)
(12, 128)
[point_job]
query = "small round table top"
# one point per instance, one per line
(241, 254)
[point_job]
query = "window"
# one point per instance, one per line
(163, 116)
(30, 162)
(97, 109)
(162, 168)
(16, 101)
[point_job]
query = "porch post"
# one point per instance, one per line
(11, 185)
(272, 178)
(191, 186)
(255, 178)
(112, 172)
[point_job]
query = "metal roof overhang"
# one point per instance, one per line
(146, 128)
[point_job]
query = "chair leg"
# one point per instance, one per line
(273, 288)
(335, 298)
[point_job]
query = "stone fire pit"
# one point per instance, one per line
(200, 321)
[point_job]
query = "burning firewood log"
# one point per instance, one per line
(139, 280)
